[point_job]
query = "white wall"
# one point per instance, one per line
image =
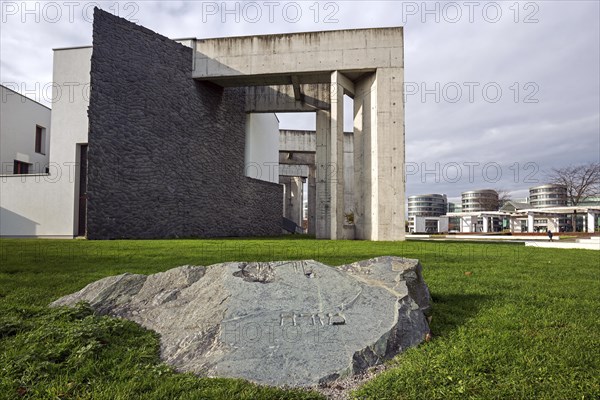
(19, 118)
(47, 205)
(262, 147)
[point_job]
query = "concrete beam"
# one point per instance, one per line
(294, 170)
(269, 59)
(286, 158)
(282, 98)
(297, 140)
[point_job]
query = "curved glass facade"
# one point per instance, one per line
(548, 196)
(427, 205)
(480, 200)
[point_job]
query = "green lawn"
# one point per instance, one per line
(524, 324)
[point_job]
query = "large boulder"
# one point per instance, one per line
(296, 323)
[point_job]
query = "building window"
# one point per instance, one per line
(40, 139)
(20, 167)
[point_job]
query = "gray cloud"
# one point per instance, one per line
(555, 61)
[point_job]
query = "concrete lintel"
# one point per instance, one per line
(282, 98)
(294, 170)
(297, 141)
(296, 158)
(240, 60)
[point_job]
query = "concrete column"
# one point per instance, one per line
(553, 224)
(295, 200)
(468, 224)
(336, 148)
(511, 224)
(364, 102)
(323, 176)
(485, 224)
(285, 193)
(379, 155)
(312, 200)
(530, 222)
(591, 222)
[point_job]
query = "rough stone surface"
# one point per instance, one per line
(166, 153)
(297, 323)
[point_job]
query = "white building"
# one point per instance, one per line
(24, 134)
(430, 206)
(423, 224)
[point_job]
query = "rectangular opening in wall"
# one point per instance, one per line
(298, 169)
(40, 139)
(83, 167)
(20, 167)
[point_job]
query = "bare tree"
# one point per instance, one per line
(503, 196)
(581, 181)
(493, 203)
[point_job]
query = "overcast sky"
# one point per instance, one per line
(496, 92)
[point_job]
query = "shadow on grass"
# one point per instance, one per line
(451, 311)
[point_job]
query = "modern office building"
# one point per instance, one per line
(548, 196)
(454, 207)
(480, 200)
(426, 205)
(454, 222)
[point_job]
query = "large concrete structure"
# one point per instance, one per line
(311, 72)
(167, 150)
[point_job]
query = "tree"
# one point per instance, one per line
(503, 197)
(581, 181)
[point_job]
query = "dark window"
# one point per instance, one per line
(40, 139)
(20, 167)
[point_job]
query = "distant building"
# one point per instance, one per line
(454, 207)
(480, 200)
(426, 205)
(548, 196)
(454, 222)
(592, 201)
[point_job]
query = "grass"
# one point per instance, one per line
(523, 324)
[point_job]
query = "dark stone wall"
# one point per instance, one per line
(166, 153)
